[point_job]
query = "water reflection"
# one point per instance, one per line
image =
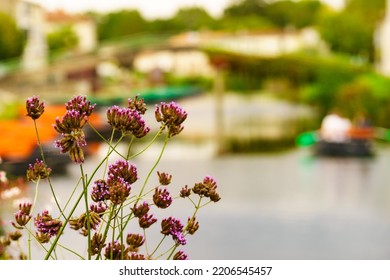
(281, 206)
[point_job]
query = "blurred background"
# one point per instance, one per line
(256, 77)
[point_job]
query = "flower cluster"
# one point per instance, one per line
(164, 178)
(172, 116)
(162, 198)
(34, 107)
(173, 227)
(127, 120)
(122, 169)
(70, 127)
(116, 205)
(137, 104)
(207, 188)
(46, 226)
(38, 171)
(22, 217)
(116, 188)
(135, 241)
(81, 223)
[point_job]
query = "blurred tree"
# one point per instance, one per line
(11, 38)
(121, 23)
(62, 39)
(194, 18)
(352, 30)
(291, 13)
(348, 33)
(250, 22)
(243, 8)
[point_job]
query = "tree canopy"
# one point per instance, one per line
(11, 38)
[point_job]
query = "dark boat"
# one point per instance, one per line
(352, 148)
(359, 144)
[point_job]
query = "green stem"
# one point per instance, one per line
(31, 211)
(72, 251)
(147, 179)
(150, 143)
(110, 149)
(85, 191)
(173, 251)
(53, 245)
(129, 148)
(158, 246)
(44, 161)
(108, 225)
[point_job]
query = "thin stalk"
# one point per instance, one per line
(44, 161)
(53, 245)
(173, 251)
(85, 191)
(70, 250)
(31, 211)
(147, 178)
(110, 151)
(149, 144)
(129, 148)
(108, 225)
(158, 246)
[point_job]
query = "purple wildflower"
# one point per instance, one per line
(123, 169)
(172, 116)
(34, 107)
(173, 227)
(100, 191)
(70, 127)
(164, 178)
(137, 105)
(127, 121)
(141, 210)
(46, 224)
(180, 256)
(207, 188)
(119, 190)
(146, 221)
(81, 105)
(21, 219)
(135, 241)
(98, 208)
(162, 198)
(38, 171)
(115, 250)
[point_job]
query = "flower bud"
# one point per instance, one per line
(34, 107)
(180, 256)
(164, 178)
(146, 221)
(135, 241)
(162, 198)
(97, 243)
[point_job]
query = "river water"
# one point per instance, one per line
(288, 205)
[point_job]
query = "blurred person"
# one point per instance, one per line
(335, 127)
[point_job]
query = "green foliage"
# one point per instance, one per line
(121, 23)
(243, 8)
(192, 19)
(11, 38)
(62, 39)
(279, 13)
(250, 22)
(351, 31)
(290, 13)
(347, 33)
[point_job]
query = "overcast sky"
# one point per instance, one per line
(148, 8)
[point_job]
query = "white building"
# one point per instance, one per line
(29, 17)
(382, 42)
(83, 26)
